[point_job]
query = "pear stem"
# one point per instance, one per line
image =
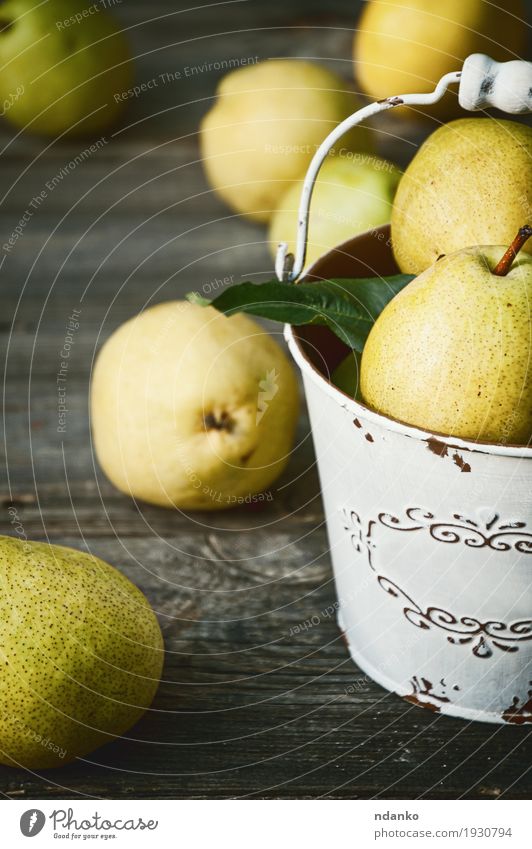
(505, 263)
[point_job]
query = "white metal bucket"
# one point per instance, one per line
(430, 536)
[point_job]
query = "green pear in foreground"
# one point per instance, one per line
(436, 208)
(81, 653)
(62, 63)
(451, 352)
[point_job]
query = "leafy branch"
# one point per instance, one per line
(348, 307)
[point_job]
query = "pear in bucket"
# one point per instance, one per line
(436, 209)
(451, 352)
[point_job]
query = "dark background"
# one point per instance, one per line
(244, 709)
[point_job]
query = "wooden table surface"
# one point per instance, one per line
(246, 708)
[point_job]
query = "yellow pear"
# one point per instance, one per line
(406, 46)
(265, 126)
(192, 409)
(62, 63)
(81, 654)
(451, 352)
(469, 184)
(353, 193)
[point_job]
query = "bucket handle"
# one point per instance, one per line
(483, 82)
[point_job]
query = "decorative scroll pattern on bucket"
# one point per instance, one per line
(483, 637)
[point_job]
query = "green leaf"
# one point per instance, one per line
(348, 307)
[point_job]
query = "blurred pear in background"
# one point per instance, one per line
(265, 126)
(61, 66)
(407, 46)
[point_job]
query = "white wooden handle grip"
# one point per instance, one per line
(505, 85)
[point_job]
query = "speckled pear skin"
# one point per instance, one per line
(451, 352)
(470, 183)
(81, 653)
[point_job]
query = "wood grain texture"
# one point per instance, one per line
(250, 705)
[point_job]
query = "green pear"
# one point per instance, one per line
(407, 46)
(353, 193)
(62, 63)
(469, 184)
(346, 374)
(80, 653)
(451, 352)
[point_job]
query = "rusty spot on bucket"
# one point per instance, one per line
(369, 437)
(393, 101)
(421, 703)
(519, 714)
(437, 447)
(344, 639)
(422, 687)
(441, 449)
(461, 463)
(357, 423)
